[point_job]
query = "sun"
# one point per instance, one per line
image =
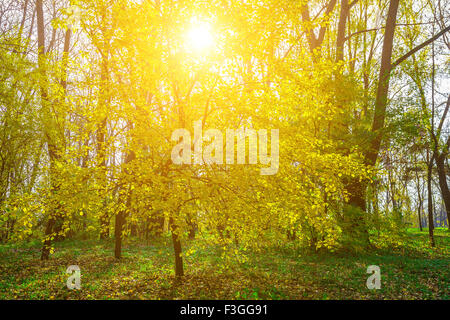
(200, 37)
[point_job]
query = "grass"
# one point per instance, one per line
(410, 271)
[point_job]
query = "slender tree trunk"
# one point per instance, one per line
(179, 272)
(419, 202)
(134, 230)
(118, 229)
(419, 212)
(430, 200)
(191, 222)
(345, 9)
(377, 209)
(122, 214)
(24, 16)
(101, 150)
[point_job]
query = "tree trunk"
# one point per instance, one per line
(345, 9)
(430, 200)
(419, 200)
(383, 83)
(122, 214)
(316, 42)
(177, 250)
(47, 242)
(134, 230)
(440, 165)
(419, 209)
(24, 16)
(118, 228)
(357, 198)
(357, 189)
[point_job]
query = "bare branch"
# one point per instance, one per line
(424, 44)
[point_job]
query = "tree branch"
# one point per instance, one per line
(407, 55)
(443, 117)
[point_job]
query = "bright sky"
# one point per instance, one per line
(200, 37)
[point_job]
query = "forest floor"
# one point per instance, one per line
(411, 271)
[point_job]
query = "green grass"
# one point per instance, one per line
(413, 270)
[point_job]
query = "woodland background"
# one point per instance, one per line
(91, 92)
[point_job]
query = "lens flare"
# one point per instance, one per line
(200, 37)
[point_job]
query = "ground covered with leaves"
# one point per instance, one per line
(412, 270)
